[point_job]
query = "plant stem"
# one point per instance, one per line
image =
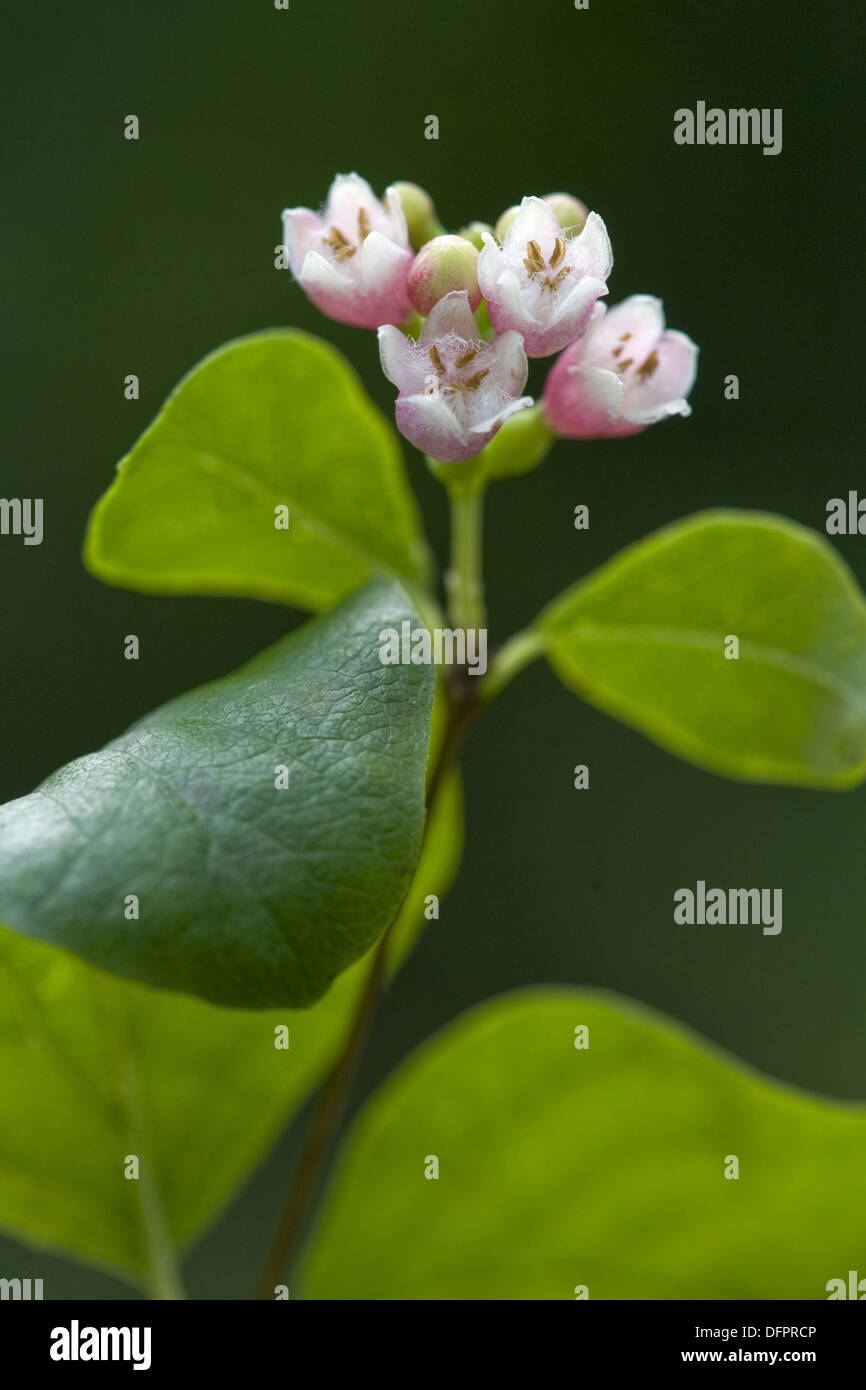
(323, 1126)
(465, 590)
(331, 1100)
(463, 582)
(518, 651)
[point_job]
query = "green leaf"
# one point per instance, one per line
(602, 1166)
(644, 638)
(276, 419)
(94, 1068)
(248, 895)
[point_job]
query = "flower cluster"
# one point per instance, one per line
(459, 315)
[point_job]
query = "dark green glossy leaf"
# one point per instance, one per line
(247, 894)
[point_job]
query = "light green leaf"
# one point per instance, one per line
(249, 893)
(278, 419)
(94, 1068)
(645, 637)
(602, 1166)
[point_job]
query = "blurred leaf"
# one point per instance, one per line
(93, 1068)
(248, 895)
(602, 1167)
(644, 639)
(276, 419)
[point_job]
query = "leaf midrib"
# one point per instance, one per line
(242, 477)
(774, 657)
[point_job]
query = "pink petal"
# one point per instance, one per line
(582, 402)
(302, 233)
(629, 330)
(664, 393)
(429, 424)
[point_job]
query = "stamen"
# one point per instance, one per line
(363, 223)
(340, 245)
(533, 260)
(627, 363)
(553, 282)
(649, 365)
(335, 238)
(475, 381)
(625, 337)
(466, 358)
(558, 253)
(433, 354)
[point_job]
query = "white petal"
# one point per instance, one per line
(591, 249)
(302, 232)
(600, 387)
(490, 265)
(511, 299)
(317, 272)
(346, 196)
(381, 261)
(665, 391)
(535, 221)
(397, 356)
(394, 209)
(576, 305)
(450, 315)
(508, 362)
(510, 409)
(641, 317)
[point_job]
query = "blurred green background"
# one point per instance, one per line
(141, 257)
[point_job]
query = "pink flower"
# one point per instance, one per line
(455, 390)
(624, 374)
(353, 261)
(542, 282)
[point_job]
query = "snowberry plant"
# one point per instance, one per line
(199, 919)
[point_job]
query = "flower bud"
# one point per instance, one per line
(445, 264)
(419, 212)
(522, 444)
(571, 213)
(475, 233)
(505, 222)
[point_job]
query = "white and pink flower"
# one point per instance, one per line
(353, 260)
(541, 282)
(627, 372)
(455, 390)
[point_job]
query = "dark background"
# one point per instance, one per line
(141, 257)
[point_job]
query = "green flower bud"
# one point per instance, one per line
(571, 213)
(419, 212)
(475, 233)
(505, 222)
(446, 263)
(521, 444)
